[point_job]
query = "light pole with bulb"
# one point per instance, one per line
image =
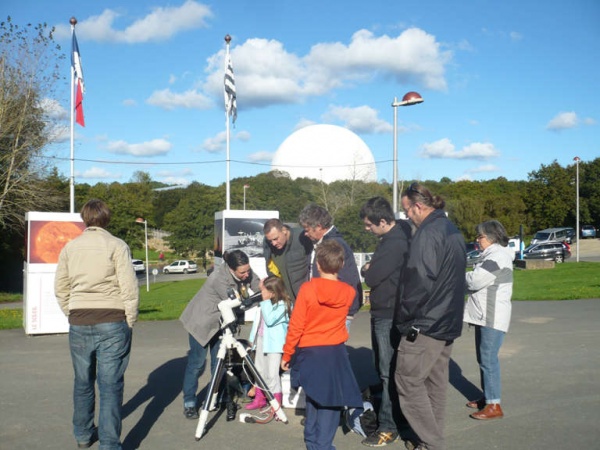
(409, 99)
(145, 222)
(577, 232)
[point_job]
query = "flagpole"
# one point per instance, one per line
(73, 22)
(227, 187)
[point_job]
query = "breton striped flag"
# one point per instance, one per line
(78, 78)
(230, 98)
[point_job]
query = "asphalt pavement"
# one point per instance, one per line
(551, 389)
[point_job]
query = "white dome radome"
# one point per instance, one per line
(326, 153)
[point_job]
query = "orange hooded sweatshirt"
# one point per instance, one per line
(319, 315)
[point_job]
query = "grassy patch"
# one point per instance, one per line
(166, 301)
(10, 297)
(11, 318)
(568, 281)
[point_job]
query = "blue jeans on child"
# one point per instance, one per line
(320, 426)
(487, 344)
(99, 353)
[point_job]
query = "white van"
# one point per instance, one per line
(554, 234)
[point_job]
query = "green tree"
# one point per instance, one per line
(29, 68)
(191, 222)
(550, 196)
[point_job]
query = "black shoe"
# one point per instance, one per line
(380, 439)
(190, 413)
(232, 408)
(91, 442)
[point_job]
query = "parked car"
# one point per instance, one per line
(588, 231)
(473, 257)
(554, 234)
(181, 266)
(138, 266)
(550, 251)
(515, 244)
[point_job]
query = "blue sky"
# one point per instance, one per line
(508, 85)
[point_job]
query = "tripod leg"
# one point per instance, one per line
(277, 408)
(213, 391)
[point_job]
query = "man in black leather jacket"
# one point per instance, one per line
(429, 314)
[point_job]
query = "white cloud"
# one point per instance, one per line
(304, 123)
(266, 73)
(243, 136)
(174, 173)
(261, 156)
(361, 119)
(484, 169)
(151, 148)
(515, 36)
(58, 133)
(216, 143)
(159, 25)
(563, 121)
(179, 181)
(589, 121)
(129, 102)
(53, 109)
(97, 173)
(445, 149)
(168, 100)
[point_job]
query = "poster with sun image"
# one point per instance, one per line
(47, 234)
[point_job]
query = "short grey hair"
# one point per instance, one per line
(494, 231)
(314, 215)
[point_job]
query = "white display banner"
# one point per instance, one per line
(47, 234)
(243, 230)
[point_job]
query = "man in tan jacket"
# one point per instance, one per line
(96, 288)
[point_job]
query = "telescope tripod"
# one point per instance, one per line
(229, 342)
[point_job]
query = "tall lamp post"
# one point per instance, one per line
(246, 186)
(145, 222)
(409, 99)
(577, 159)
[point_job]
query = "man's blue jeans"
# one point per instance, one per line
(487, 344)
(383, 353)
(195, 366)
(99, 353)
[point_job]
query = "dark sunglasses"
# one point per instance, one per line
(413, 188)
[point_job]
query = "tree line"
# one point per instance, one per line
(547, 199)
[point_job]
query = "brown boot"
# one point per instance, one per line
(476, 404)
(491, 411)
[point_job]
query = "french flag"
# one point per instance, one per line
(78, 78)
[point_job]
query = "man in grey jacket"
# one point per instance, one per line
(429, 314)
